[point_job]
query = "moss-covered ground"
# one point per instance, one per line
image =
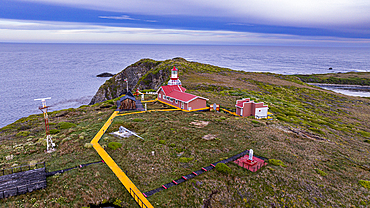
(313, 132)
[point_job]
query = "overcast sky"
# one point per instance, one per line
(262, 22)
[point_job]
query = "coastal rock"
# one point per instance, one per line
(105, 74)
(144, 74)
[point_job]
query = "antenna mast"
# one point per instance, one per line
(44, 109)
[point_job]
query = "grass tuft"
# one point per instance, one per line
(114, 145)
(322, 173)
(277, 162)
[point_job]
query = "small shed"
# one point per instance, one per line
(127, 102)
(246, 107)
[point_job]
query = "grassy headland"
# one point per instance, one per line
(350, 78)
(321, 138)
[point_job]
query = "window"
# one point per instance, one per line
(159, 95)
(176, 101)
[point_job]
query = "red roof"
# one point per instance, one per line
(177, 92)
(174, 69)
(182, 96)
(240, 104)
(169, 88)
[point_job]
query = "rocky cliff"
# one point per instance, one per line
(144, 74)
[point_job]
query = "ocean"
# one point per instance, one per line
(67, 72)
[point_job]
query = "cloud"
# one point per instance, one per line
(66, 32)
(302, 13)
(124, 17)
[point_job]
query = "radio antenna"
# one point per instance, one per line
(44, 110)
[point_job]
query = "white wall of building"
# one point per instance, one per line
(261, 112)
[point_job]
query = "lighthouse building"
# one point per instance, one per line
(174, 95)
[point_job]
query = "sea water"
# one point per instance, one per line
(67, 72)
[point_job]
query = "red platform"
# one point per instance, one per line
(253, 166)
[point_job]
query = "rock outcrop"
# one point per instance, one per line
(105, 74)
(144, 74)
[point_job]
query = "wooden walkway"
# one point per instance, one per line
(127, 183)
(232, 113)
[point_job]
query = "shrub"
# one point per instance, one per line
(255, 122)
(66, 125)
(367, 141)
(322, 173)
(117, 202)
(114, 145)
(276, 162)
(179, 149)
(54, 131)
(172, 145)
(185, 159)
(23, 133)
(223, 168)
(162, 141)
(364, 183)
(88, 145)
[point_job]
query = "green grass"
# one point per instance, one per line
(114, 145)
(66, 125)
(365, 184)
(54, 131)
(23, 133)
(276, 162)
(185, 159)
(343, 122)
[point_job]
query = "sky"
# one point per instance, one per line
(216, 22)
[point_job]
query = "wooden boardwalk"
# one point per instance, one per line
(127, 183)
